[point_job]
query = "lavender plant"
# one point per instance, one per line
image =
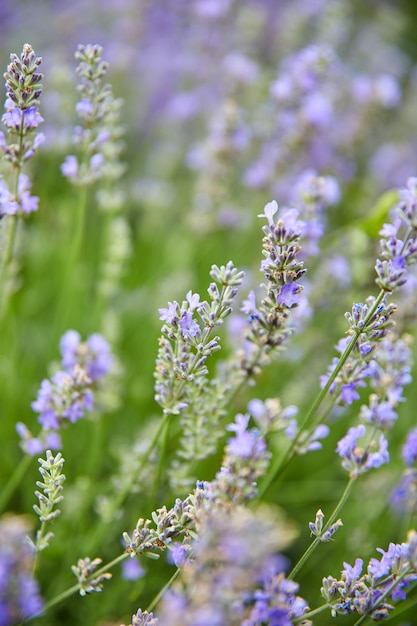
(21, 120)
(200, 488)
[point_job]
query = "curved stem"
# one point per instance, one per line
(72, 590)
(330, 521)
(124, 492)
(14, 482)
(386, 593)
(164, 588)
(277, 467)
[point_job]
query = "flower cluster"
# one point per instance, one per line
(168, 525)
(143, 618)
(98, 139)
(89, 578)
(399, 246)
(19, 592)
(404, 496)
(282, 269)
(246, 459)
(359, 460)
(70, 392)
(235, 576)
(320, 530)
(187, 339)
(386, 578)
(22, 118)
(51, 486)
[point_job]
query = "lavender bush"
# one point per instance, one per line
(208, 246)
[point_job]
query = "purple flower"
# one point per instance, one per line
(351, 573)
(8, 206)
(289, 294)
(409, 450)
(403, 497)
(69, 167)
(66, 396)
(19, 592)
(380, 414)
(189, 327)
(347, 444)
(94, 355)
(178, 554)
(376, 459)
(269, 211)
(348, 393)
(132, 569)
(193, 300)
(27, 202)
(96, 162)
(31, 118)
(249, 305)
(84, 108)
(245, 443)
(169, 315)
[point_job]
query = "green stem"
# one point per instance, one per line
(14, 481)
(330, 521)
(276, 468)
(309, 614)
(72, 590)
(162, 455)
(66, 300)
(13, 219)
(386, 593)
(164, 588)
(123, 493)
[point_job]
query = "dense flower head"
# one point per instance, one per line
(94, 354)
(234, 577)
(187, 338)
(409, 450)
(65, 397)
(359, 460)
(22, 116)
(98, 138)
(70, 392)
(268, 322)
(368, 593)
(19, 592)
(399, 245)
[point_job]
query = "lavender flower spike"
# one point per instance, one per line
(359, 460)
(97, 139)
(21, 119)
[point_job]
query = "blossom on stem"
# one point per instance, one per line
(268, 322)
(70, 392)
(360, 460)
(187, 339)
(22, 117)
(98, 139)
(19, 592)
(94, 354)
(368, 593)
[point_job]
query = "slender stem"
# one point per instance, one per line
(14, 481)
(66, 301)
(13, 220)
(72, 590)
(164, 588)
(306, 616)
(386, 593)
(276, 468)
(124, 492)
(162, 455)
(330, 521)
